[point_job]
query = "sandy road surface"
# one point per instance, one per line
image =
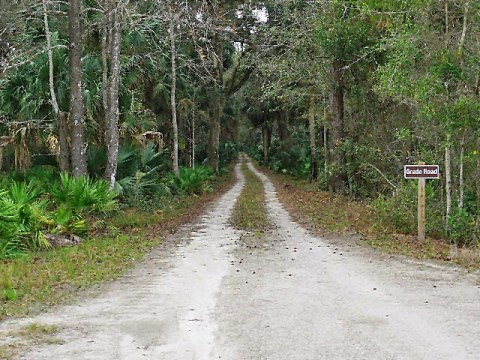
(287, 296)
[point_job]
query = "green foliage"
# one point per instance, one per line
(142, 188)
(83, 195)
(191, 181)
(462, 228)
(9, 229)
(27, 213)
(294, 160)
(31, 210)
(139, 175)
(399, 212)
(228, 152)
(66, 222)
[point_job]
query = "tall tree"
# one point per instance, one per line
(111, 47)
(77, 116)
(62, 125)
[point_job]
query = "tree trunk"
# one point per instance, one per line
(266, 140)
(283, 132)
(214, 135)
(62, 124)
(477, 93)
(64, 155)
(79, 146)
(217, 105)
(112, 113)
(338, 158)
(313, 144)
(173, 99)
(325, 151)
(192, 164)
(105, 56)
(478, 173)
(461, 185)
(448, 184)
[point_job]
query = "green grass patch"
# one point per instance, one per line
(249, 213)
(40, 279)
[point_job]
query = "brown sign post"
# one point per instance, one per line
(421, 172)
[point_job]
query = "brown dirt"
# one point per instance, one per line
(329, 216)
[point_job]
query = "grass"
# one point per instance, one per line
(249, 213)
(326, 213)
(8, 351)
(34, 330)
(22, 338)
(37, 280)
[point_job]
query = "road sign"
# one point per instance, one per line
(421, 172)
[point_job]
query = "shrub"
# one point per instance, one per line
(26, 215)
(141, 188)
(22, 219)
(66, 222)
(399, 212)
(31, 212)
(138, 178)
(83, 195)
(191, 181)
(228, 152)
(461, 227)
(9, 230)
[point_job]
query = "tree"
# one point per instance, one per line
(173, 92)
(111, 47)
(437, 82)
(77, 120)
(62, 125)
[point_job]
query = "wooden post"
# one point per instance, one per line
(421, 208)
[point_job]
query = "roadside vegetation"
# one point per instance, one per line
(330, 214)
(342, 93)
(249, 213)
(112, 230)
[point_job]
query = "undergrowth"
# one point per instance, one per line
(36, 280)
(326, 213)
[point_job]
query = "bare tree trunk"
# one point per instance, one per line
(173, 99)
(62, 125)
(105, 55)
(448, 171)
(313, 144)
(338, 178)
(193, 134)
(112, 113)
(477, 93)
(448, 183)
(325, 150)
(461, 181)
(79, 146)
(478, 173)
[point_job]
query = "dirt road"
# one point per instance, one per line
(291, 296)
